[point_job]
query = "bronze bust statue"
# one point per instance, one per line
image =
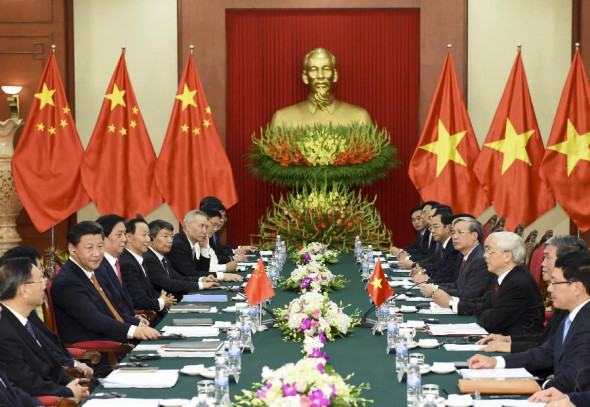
(319, 72)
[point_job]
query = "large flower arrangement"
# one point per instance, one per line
(353, 155)
(313, 314)
(315, 252)
(332, 216)
(311, 382)
(313, 276)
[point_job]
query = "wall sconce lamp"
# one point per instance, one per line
(12, 92)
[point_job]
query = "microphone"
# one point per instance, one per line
(366, 323)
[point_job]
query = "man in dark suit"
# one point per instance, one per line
(83, 311)
(160, 271)
(421, 238)
(13, 396)
(189, 254)
(109, 272)
(555, 247)
(443, 266)
(26, 354)
(219, 260)
(135, 277)
(61, 354)
(428, 245)
(473, 276)
(567, 352)
(555, 398)
(512, 305)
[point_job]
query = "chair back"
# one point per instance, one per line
(519, 229)
(47, 306)
(488, 226)
(536, 262)
(529, 244)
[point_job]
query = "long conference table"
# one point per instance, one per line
(361, 352)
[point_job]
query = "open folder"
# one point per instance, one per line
(499, 386)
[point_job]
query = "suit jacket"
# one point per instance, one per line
(419, 249)
(473, 278)
(517, 310)
(13, 396)
(143, 295)
(172, 281)
(182, 259)
(117, 293)
(28, 365)
(520, 343)
(580, 398)
(60, 353)
(570, 360)
(224, 254)
(80, 311)
(446, 266)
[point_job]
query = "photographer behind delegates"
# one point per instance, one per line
(567, 352)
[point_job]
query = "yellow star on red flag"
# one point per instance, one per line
(45, 96)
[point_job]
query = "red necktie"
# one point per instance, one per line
(118, 267)
(496, 290)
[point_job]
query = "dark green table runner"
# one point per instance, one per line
(360, 353)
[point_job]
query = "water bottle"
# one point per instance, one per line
(365, 269)
(392, 330)
(254, 318)
(370, 254)
(222, 380)
(401, 354)
(235, 359)
(246, 335)
(273, 275)
(414, 384)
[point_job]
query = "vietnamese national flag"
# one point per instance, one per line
(118, 165)
(46, 162)
(258, 288)
(441, 168)
(193, 163)
(566, 164)
(511, 156)
(378, 287)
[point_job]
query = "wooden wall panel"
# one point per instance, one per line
(28, 28)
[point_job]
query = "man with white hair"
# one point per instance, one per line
(512, 305)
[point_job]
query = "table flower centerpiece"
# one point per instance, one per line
(317, 252)
(313, 276)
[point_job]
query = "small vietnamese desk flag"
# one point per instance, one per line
(192, 163)
(441, 168)
(46, 162)
(118, 165)
(566, 164)
(258, 288)
(511, 156)
(378, 287)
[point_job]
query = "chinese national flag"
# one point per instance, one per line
(192, 163)
(378, 287)
(511, 156)
(566, 164)
(118, 166)
(442, 165)
(46, 163)
(258, 288)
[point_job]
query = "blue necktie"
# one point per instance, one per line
(29, 328)
(566, 328)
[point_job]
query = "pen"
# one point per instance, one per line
(505, 397)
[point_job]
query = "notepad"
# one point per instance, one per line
(193, 346)
(205, 298)
(192, 321)
(189, 308)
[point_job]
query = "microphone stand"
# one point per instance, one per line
(262, 325)
(371, 324)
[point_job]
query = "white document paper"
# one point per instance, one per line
(457, 329)
(167, 354)
(245, 264)
(266, 252)
(436, 309)
(419, 299)
(474, 374)
(402, 283)
(465, 348)
(222, 324)
(144, 347)
(122, 402)
(506, 402)
(191, 331)
(163, 378)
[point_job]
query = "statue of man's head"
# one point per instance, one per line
(319, 72)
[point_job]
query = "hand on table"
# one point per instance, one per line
(427, 290)
(551, 394)
(442, 299)
(142, 320)
(144, 333)
(497, 346)
(80, 392)
(481, 362)
(209, 285)
(395, 251)
(232, 277)
(493, 337)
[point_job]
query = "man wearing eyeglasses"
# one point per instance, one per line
(555, 247)
(567, 352)
(30, 363)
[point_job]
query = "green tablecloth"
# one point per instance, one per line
(360, 353)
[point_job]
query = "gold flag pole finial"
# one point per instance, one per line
(192, 49)
(449, 46)
(519, 46)
(123, 47)
(53, 48)
(577, 45)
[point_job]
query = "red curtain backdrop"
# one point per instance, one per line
(378, 61)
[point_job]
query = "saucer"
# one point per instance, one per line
(173, 402)
(455, 400)
(424, 368)
(192, 370)
(408, 308)
(442, 368)
(428, 343)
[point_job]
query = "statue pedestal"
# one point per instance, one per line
(10, 205)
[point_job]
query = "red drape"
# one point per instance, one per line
(378, 61)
